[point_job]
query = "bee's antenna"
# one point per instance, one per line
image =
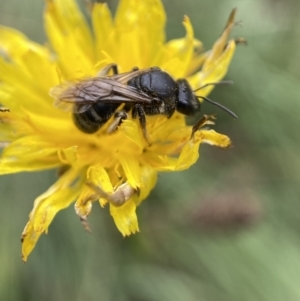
(218, 105)
(223, 82)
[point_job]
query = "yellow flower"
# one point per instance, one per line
(119, 167)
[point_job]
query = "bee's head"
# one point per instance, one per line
(186, 103)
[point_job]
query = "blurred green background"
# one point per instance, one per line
(228, 229)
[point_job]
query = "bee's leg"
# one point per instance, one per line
(114, 68)
(155, 68)
(137, 68)
(122, 194)
(127, 107)
(200, 123)
(118, 118)
(4, 110)
(105, 70)
(138, 110)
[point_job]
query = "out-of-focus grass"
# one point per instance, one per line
(195, 242)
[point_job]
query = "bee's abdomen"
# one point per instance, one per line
(96, 116)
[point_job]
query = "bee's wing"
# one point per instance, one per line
(98, 89)
(82, 94)
(125, 77)
(71, 107)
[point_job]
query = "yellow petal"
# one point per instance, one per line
(6, 130)
(213, 138)
(216, 71)
(219, 45)
(38, 64)
(139, 26)
(28, 154)
(148, 180)
(179, 52)
(14, 44)
(187, 157)
(68, 156)
(103, 28)
(216, 60)
(55, 126)
(132, 131)
(132, 170)
(69, 36)
(196, 62)
(98, 176)
(83, 205)
(188, 150)
(162, 129)
(189, 154)
(20, 85)
(125, 218)
(30, 58)
(57, 197)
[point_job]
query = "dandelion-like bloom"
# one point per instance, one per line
(36, 135)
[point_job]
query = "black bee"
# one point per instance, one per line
(142, 92)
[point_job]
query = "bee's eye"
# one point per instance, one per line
(186, 103)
